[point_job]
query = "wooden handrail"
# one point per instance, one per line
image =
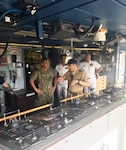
(37, 108)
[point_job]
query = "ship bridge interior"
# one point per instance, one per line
(33, 29)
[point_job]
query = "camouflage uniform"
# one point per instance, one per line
(44, 82)
(77, 88)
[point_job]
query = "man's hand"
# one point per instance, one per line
(12, 92)
(60, 79)
(9, 90)
(39, 91)
(97, 75)
(73, 82)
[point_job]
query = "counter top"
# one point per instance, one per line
(43, 129)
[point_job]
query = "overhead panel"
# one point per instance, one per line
(54, 9)
(109, 13)
(120, 2)
(61, 30)
(72, 15)
(101, 9)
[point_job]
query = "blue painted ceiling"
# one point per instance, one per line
(110, 13)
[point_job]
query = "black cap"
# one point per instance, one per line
(63, 55)
(71, 61)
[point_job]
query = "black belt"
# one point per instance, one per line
(88, 78)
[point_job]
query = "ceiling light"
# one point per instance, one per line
(33, 11)
(38, 51)
(99, 36)
(85, 45)
(7, 19)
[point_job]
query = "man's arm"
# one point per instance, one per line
(5, 85)
(99, 70)
(7, 88)
(64, 77)
(54, 85)
(98, 67)
(83, 81)
(37, 90)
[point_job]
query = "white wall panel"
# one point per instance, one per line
(105, 133)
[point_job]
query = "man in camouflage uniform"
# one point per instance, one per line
(46, 83)
(77, 79)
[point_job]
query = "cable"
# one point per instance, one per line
(5, 49)
(9, 11)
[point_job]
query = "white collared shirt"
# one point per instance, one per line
(89, 68)
(61, 69)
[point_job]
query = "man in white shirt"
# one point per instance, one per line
(92, 69)
(62, 86)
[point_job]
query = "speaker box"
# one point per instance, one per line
(61, 30)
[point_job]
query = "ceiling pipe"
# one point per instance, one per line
(51, 47)
(9, 11)
(73, 48)
(22, 45)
